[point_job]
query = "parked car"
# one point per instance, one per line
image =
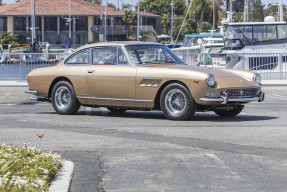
(145, 76)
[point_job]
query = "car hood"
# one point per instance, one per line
(204, 70)
(224, 78)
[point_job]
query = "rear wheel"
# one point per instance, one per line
(116, 109)
(230, 112)
(64, 99)
(177, 103)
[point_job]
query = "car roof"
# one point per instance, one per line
(118, 43)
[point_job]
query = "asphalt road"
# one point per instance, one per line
(143, 151)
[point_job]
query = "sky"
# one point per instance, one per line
(134, 2)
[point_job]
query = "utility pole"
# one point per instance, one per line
(171, 22)
(138, 27)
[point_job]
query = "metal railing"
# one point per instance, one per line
(271, 66)
(16, 66)
(121, 29)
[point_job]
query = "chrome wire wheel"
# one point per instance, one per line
(62, 97)
(175, 101)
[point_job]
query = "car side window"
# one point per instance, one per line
(80, 58)
(109, 56)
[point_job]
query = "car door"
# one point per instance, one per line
(75, 70)
(110, 78)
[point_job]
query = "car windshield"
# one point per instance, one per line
(151, 54)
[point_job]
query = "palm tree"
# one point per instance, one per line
(165, 21)
(130, 18)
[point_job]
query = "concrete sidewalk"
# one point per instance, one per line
(25, 84)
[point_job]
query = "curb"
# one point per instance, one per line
(62, 180)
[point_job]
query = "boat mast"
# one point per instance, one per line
(33, 35)
(138, 27)
(106, 20)
(70, 27)
(246, 11)
(171, 22)
(281, 10)
(213, 24)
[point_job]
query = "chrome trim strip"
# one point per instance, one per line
(31, 91)
(114, 99)
(206, 99)
(243, 99)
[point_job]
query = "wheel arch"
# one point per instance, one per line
(56, 80)
(157, 97)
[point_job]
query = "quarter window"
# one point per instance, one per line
(80, 58)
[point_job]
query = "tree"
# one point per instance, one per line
(165, 21)
(161, 7)
(112, 5)
(96, 1)
(257, 11)
(272, 10)
(204, 27)
(7, 38)
(127, 6)
(130, 18)
(189, 27)
(238, 6)
(202, 11)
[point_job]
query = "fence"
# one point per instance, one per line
(271, 66)
(16, 66)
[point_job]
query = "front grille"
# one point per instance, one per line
(250, 92)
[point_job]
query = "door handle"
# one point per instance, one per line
(91, 71)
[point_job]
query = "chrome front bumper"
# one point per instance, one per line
(31, 91)
(224, 99)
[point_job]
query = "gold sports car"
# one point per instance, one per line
(145, 76)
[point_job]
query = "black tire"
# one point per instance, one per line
(230, 112)
(177, 103)
(116, 110)
(64, 99)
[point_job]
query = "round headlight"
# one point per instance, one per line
(210, 80)
(257, 78)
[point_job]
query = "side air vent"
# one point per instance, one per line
(149, 83)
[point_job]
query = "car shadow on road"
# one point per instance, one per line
(160, 116)
(238, 118)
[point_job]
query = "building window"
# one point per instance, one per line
(3, 24)
(38, 23)
(82, 24)
(64, 25)
(51, 23)
(19, 23)
(98, 20)
(118, 21)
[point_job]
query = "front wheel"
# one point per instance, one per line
(177, 103)
(64, 99)
(230, 112)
